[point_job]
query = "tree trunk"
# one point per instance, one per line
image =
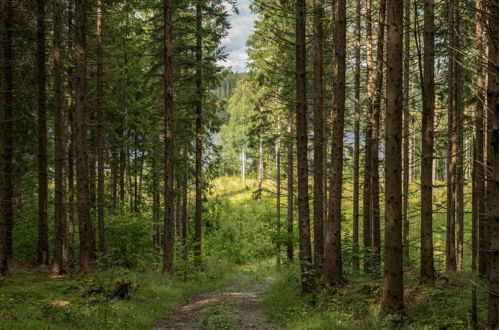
(460, 145)
(83, 197)
(185, 191)
(356, 152)
(450, 251)
(278, 189)
(367, 222)
(332, 251)
(318, 137)
(306, 265)
(290, 197)
(199, 134)
(406, 166)
(169, 224)
(479, 141)
(378, 87)
(70, 140)
(260, 168)
(43, 244)
(493, 206)
(6, 149)
(100, 132)
(427, 271)
(392, 300)
(60, 145)
(156, 195)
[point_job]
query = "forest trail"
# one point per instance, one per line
(237, 306)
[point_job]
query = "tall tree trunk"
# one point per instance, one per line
(479, 141)
(199, 133)
(460, 146)
(70, 140)
(82, 176)
(185, 192)
(6, 149)
(278, 189)
(100, 132)
(60, 145)
(307, 276)
(493, 191)
(378, 87)
(290, 197)
(260, 168)
(356, 152)
(318, 137)
(156, 195)
(427, 271)
(406, 114)
(169, 224)
(114, 180)
(332, 251)
(450, 251)
(367, 222)
(392, 300)
(43, 244)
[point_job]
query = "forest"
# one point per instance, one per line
(344, 176)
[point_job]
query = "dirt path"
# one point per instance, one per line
(233, 307)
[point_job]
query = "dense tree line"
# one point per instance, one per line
(402, 94)
(92, 92)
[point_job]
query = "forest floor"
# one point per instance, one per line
(237, 306)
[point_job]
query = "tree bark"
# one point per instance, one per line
(376, 104)
(70, 140)
(6, 149)
(318, 137)
(100, 131)
(82, 175)
(450, 251)
(480, 142)
(406, 114)
(427, 271)
(367, 222)
(169, 224)
(199, 134)
(290, 197)
(43, 244)
(60, 145)
(332, 252)
(278, 189)
(392, 300)
(307, 276)
(356, 152)
(493, 206)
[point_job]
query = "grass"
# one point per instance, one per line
(356, 305)
(26, 298)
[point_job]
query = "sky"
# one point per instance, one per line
(235, 42)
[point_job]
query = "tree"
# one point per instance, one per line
(199, 133)
(318, 136)
(43, 244)
(392, 300)
(169, 221)
(82, 176)
(6, 193)
(356, 162)
(493, 190)
(427, 271)
(301, 146)
(450, 247)
(100, 130)
(332, 257)
(60, 145)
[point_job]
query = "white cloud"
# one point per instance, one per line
(235, 42)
